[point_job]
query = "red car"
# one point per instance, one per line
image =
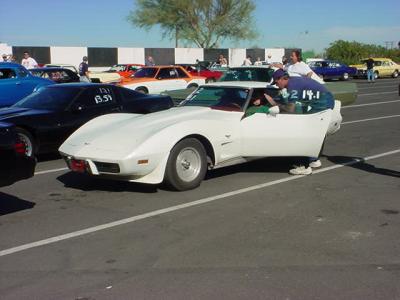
(199, 70)
(125, 70)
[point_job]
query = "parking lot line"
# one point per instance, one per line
(369, 104)
(166, 210)
(370, 94)
(50, 171)
(371, 119)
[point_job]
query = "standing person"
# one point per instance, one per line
(301, 95)
(5, 58)
(29, 62)
(370, 69)
(258, 62)
(222, 61)
(84, 70)
(150, 61)
(269, 59)
(247, 61)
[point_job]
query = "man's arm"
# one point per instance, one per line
(288, 108)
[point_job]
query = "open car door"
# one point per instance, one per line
(284, 134)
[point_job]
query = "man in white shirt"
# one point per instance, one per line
(300, 68)
(29, 62)
(247, 61)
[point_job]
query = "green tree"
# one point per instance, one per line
(206, 23)
(353, 52)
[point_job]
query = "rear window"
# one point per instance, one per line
(7, 73)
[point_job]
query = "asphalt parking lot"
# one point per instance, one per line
(249, 232)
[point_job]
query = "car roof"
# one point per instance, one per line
(49, 69)
(9, 64)
(239, 84)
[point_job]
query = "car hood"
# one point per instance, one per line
(121, 134)
(12, 112)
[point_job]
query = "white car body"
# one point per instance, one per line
(159, 86)
(101, 77)
(127, 139)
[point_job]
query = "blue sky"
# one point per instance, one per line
(307, 24)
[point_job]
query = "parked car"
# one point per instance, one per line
(125, 70)
(58, 75)
(157, 79)
(201, 70)
(383, 67)
(48, 116)
(207, 131)
(329, 69)
(249, 73)
(15, 164)
(95, 77)
(16, 82)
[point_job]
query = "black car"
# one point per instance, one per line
(58, 75)
(15, 164)
(48, 116)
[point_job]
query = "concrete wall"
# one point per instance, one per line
(131, 56)
(236, 56)
(188, 55)
(68, 55)
(276, 54)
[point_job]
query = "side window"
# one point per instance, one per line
(133, 68)
(378, 63)
(65, 75)
(22, 72)
(96, 96)
(181, 73)
(129, 95)
(7, 74)
(166, 73)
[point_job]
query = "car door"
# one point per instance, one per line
(167, 80)
(284, 134)
(387, 69)
(183, 78)
(93, 101)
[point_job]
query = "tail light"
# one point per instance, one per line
(78, 165)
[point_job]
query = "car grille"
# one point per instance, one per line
(103, 167)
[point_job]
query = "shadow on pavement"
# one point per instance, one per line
(48, 157)
(10, 204)
(362, 165)
(87, 183)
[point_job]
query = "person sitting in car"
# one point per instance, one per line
(257, 105)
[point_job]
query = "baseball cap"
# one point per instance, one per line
(278, 74)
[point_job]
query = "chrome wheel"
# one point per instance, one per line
(27, 142)
(345, 76)
(188, 164)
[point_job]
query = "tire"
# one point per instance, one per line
(376, 75)
(29, 141)
(192, 85)
(345, 77)
(395, 74)
(186, 166)
(142, 90)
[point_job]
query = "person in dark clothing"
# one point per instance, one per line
(370, 69)
(84, 70)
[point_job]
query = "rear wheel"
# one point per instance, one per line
(142, 90)
(28, 140)
(376, 75)
(345, 76)
(186, 166)
(395, 74)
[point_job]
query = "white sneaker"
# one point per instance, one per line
(315, 164)
(301, 170)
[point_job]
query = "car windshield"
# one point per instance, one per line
(218, 97)
(248, 74)
(146, 73)
(49, 98)
(117, 68)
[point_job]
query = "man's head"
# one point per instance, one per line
(4, 56)
(280, 78)
(296, 56)
(85, 59)
(26, 54)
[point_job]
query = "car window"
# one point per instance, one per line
(377, 63)
(248, 74)
(22, 72)
(96, 96)
(167, 73)
(7, 73)
(133, 68)
(181, 73)
(218, 97)
(146, 73)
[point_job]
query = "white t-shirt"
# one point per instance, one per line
(302, 69)
(29, 63)
(247, 62)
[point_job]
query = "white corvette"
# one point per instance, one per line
(209, 130)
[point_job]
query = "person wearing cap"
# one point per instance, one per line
(84, 70)
(305, 96)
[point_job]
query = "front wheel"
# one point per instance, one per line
(376, 75)
(186, 166)
(27, 139)
(395, 74)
